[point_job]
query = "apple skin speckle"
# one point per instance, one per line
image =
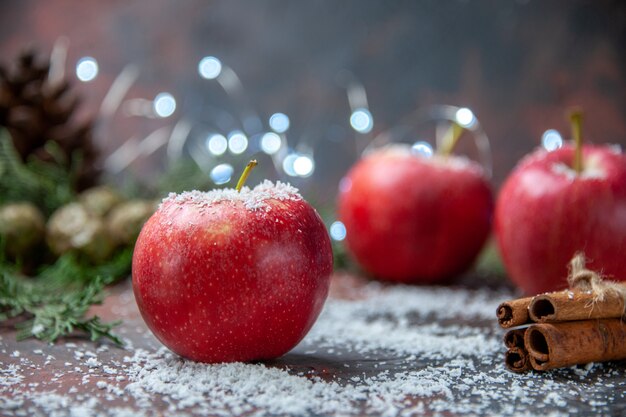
(223, 282)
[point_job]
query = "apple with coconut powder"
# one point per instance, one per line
(414, 219)
(234, 274)
(557, 203)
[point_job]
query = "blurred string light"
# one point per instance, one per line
(210, 67)
(441, 116)
(164, 105)
(551, 140)
(279, 122)
(288, 164)
(221, 174)
(134, 148)
(422, 149)
(216, 144)
(298, 165)
(465, 117)
(337, 231)
(237, 142)
(118, 90)
(87, 69)
(361, 120)
(177, 140)
(304, 166)
(270, 143)
(58, 61)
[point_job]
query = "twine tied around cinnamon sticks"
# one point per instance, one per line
(583, 279)
(579, 325)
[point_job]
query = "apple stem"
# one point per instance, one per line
(450, 139)
(576, 119)
(245, 174)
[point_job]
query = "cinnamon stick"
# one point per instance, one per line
(516, 357)
(514, 338)
(570, 305)
(513, 313)
(517, 360)
(558, 345)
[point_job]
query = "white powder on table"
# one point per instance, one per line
(383, 323)
(398, 351)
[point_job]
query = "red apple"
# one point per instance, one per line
(546, 212)
(226, 276)
(415, 219)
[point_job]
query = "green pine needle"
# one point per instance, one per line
(47, 185)
(54, 303)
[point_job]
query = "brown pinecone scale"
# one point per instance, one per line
(36, 112)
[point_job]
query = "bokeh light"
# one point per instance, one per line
(279, 122)
(362, 121)
(465, 117)
(303, 166)
(221, 174)
(337, 231)
(288, 163)
(551, 140)
(87, 69)
(216, 144)
(270, 143)
(209, 67)
(164, 104)
(422, 149)
(237, 142)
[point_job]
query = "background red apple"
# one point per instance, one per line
(225, 276)
(415, 219)
(546, 212)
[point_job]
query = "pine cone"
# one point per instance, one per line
(36, 112)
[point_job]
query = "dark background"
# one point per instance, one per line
(517, 64)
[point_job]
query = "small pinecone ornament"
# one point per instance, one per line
(22, 226)
(36, 111)
(72, 228)
(125, 221)
(100, 200)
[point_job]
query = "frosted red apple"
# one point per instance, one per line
(226, 276)
(415, 219)
(546, 212)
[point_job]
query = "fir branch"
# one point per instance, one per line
(47, 185)
(117, 267)
(54, 303)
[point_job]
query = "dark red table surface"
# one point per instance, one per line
(367, 355)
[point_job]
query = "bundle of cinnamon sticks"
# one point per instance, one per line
(576, 326)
